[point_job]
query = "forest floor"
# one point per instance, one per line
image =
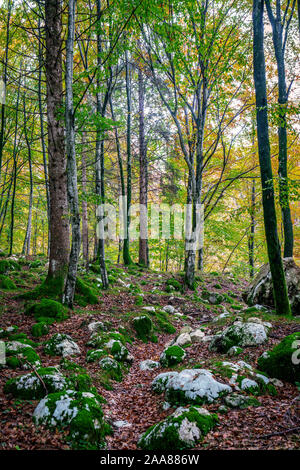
(268, 426)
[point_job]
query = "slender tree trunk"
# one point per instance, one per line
(59, 223)
(84, 229)
(126, 250)
(68, 296)
(26, 245)
(143, 240)
(279, 48)
(278, 278)
(12, 211)
(45, 163)
(100, 163)
(252, 231)
(4, 83)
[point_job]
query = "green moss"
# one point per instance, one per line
(139, 299)
(119, 351)
(85, 425)
(47, 308)
(39, 329)
(175, 284)
(8, 265)
(30, 387)
(6, 283)
(94, 355)
(282, 361)
(172, 355)
(165, 435)
(81, 382)
(112, 367)
(84, 295)
(22, 338)
(143, 327)
(51, 288)
(163, 322)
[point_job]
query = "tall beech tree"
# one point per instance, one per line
(270, 221)
(143, 240)
(59, 222)
(280, 29)
(71, 162)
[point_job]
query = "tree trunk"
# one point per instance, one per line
(59, 223)
(126, 252)
(100, 164)
(143, 240)
(71, 163)
(84, 228)
(278, 278)
(277, 31)
(45, 164)
(252, 231)
(4, 80)
(26, 245)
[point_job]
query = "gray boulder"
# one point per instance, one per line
(190, 386)
(260, 290)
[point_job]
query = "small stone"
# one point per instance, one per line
(197, 336)
(148, 364)
(121, 424)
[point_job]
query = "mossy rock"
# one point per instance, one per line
(30, 387)
(8, 265)
(47, 308)
(39, 329)
(6, 283)
(163, 322)
(175, 284)
(81, 382)
(6, 332)
(61, 344)
(94, 355)
(112, 368)
(182, 430)
(84, 295)
(118, 350)
(139, 299)
(282, 361)
(21, 355)
(143, 327)
(78, 412)
(171, 356)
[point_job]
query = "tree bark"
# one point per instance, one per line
(143, 240)
(71, 163)
(26, 245)
(59, 223)
(84, 224)
(126, 251)
(279, 47)
(278, 278)
(4, 82)
(100, 189)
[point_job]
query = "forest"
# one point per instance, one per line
(149, 225)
